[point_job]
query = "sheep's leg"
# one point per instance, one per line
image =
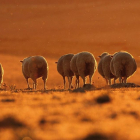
(34, 84)
(120, 79)
(109, 81)
(64, 82)
(125, 80)
(106, 81)
(70, 81)
(90, 79)
(114, 81)
(44, 84)
(84, 80)
(77, 81)
(27, 83)
(44, 80)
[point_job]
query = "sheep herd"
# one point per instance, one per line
(119, 65)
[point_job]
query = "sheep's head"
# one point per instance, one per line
(103, 54)
(111, 56)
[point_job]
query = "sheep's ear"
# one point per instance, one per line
(21, 61)
(111, 56)
(99, 56)
(56, 62)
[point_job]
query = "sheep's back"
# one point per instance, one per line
(85, 57)
(66, 65)
(35, 64)
(123, 57)
(86, 63)
(63, 65)
(106, 66)
(123, 61)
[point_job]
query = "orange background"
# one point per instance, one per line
(54, 28)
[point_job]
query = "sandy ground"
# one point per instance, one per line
(52, 29)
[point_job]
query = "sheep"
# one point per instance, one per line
(104, 67)
(63, 68)
(83, 64)
(1, 74)
(123, 65)
(34, 67)
(74, 68)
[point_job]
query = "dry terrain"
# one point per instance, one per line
(54, 28)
